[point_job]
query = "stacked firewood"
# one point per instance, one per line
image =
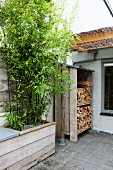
(84, 118)
(84, 83)
(84, 103)
(84, 92)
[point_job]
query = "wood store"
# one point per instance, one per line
(77, 109)
(90, 104)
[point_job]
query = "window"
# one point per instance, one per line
(108, 86)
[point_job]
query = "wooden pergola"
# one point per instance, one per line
(93, 40)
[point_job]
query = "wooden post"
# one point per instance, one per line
(63, 102)
(67, 114)
(65, 107)
(58, 115)
(73, 106)
(67, 110)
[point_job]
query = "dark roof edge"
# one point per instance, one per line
(77, 67)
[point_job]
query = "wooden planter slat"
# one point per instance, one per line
(20, 141)
(17, 155)
(34, 146)
(36, 128)
(33, 159)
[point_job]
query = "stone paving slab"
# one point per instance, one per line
(7, 134)
(91, 152)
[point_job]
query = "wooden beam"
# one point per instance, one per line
(67, 110)
(96, 48)
(95, 37)
(73, 106)
(76, 48)
(104, 42)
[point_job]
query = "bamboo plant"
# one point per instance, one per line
(35, 40)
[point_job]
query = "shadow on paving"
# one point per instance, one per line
(91, 152)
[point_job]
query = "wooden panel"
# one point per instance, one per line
(33, 159)
(23, 152)
(15, 143)
(35, 162)
(73, 106)
(67, 114)
(95, 37)
(36, 128)
(58, 115)
(67, 111)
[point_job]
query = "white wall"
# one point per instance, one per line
(83, 56)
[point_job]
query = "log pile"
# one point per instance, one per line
(84, 103)
(84, 92)
(84, 118)
(84, 83)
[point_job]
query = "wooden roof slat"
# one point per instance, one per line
(95, 37)
(93, 48)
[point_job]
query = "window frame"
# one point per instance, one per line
(103, 110)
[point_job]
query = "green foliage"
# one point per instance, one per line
(13, 121)
(35, 39)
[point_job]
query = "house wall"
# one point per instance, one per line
(100, 122)
(83, 56)
(3, 89)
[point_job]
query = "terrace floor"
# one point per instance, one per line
(91, 152)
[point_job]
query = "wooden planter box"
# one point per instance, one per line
(29, 148)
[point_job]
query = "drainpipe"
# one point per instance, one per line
(93, 56)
